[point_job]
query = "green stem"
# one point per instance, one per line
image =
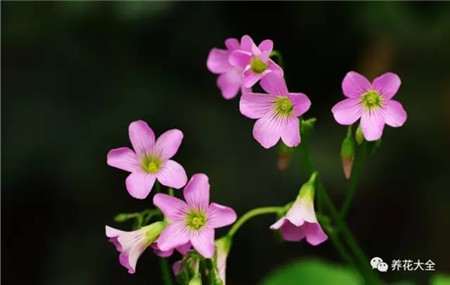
(250, 214)
(165, 271)
(356, 171)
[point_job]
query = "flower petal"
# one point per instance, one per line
(176, 266)
(278, 224)
(239, 58)
(273, 67)
(133, 257)
(291, 232)
(217, 61)
(250, 78)
(139, 184)
(141, 136)
(230, 82)
(232, 44)
(393, 113)
(387, 84)
(256, 105)
(203, 242)
(220, 216)
(301, 103)
(267, 130)
(247, 43)
(372, 124)
(314, 234)
(266, 45)
(348, 111)
(354, 85)
(172, 174)
(168, 143)
(290, 132)
(183, 249)
(112, 232)
(123, 158)
(173, 235)
(274, 83)
(172, 207)
(125, 262)
(196, 192)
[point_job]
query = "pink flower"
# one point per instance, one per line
(193, 221)
(132, 244)
(276, 112)
(231, 77)
(254, 60)
(150, 160)
(371, 102)
(301, 221)
(183, 249)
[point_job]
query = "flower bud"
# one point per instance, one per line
(359, 136)
(347, 155)
(307, 190)
(196, 280)
(284, 156)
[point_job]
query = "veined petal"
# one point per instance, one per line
(141, 136)
(256, 105)
(217, 61)
(387, 84)
(393, 113)
(220, 216)
(372, 125)
(240, 58)
(139, 184)
(172, 207)
(314, 234)
(301, 103)
(112, 232)
(203, 242)
(274, 83)
(196, 192)
(168, 143)
(232, 44)
(123, 158)
(290, 132)
(172, 174)
(183, 249)
(230, 82)
(133, 257)
(348, 111)
(354, 85)
(267, 130)
(173, 235)
(278, 224)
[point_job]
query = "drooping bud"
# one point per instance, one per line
(223, 246)
(359, 136)
(284, 156)
(348, 154)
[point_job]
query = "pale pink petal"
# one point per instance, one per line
(203, 242)
(183, 249)
(290, 132)
(172, 174)
(139, 184)
(393, 113)
(133, 257)
(176, 266)
(266, 45)
(123, 158)
(220, 216)
(230, 82)
(354, 85)
(168, 143)
(172, 207)
(196, 192)
(348, 111)
(387, 85)
(274, 83)
(301, 103)
(278, 224)
(240, 58)
(314, 234)
(217, 61)
(250, 78)
(247, 43)
(232, 44)
(141, 136)
(112, 232)
(291, 232)
(173, 235)
(256, 105)
(372, 124)
(267, 130)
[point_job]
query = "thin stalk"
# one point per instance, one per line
(165, 271)
(250, 214)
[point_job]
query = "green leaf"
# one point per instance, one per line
(312, 272)
(440, 279)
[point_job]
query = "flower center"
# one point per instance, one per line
(196, 219)
(151, 164)
(283, 107)
(371, 100)
(257, 65)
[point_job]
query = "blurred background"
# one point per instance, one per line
(75, 74)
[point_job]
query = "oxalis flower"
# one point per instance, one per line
(277, 112)
(254, 60)
(150, 160)
(300, 220)
(132, 244)
(231, 77)
(371, 102)
(192, 221)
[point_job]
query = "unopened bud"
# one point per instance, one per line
(359, 136)
(347, 156)
(284, 156)
(196, 280)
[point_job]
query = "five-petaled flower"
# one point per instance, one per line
(277, 112)
(150, 160)
(371, 102)
(192, 221)
(300, 220)
(254, 60)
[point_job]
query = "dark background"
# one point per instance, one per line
(75, 74)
